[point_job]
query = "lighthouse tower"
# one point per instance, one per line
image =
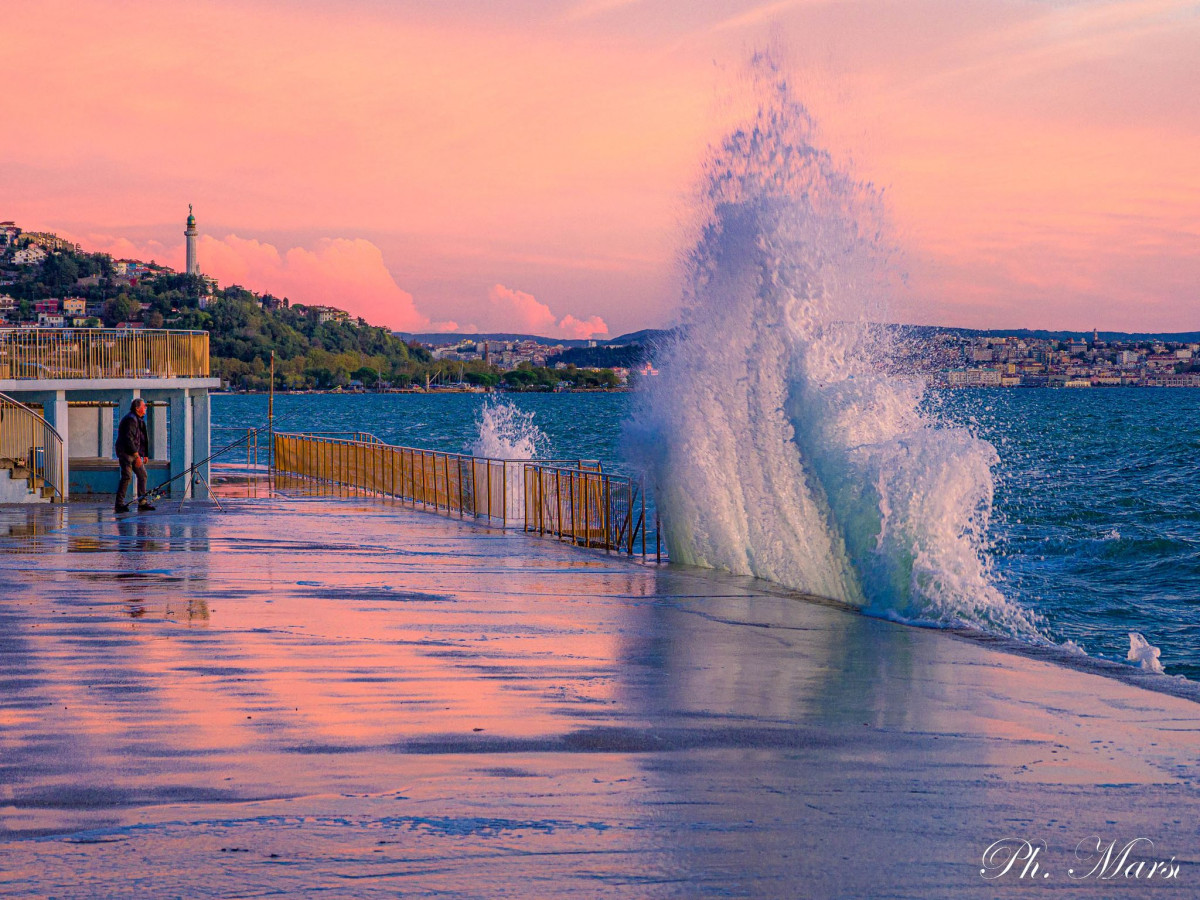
(193, 267)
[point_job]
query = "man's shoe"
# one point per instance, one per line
(121, 508)
(146, 507)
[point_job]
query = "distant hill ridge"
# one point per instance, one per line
(656, 336)
(453, 337)
(1176, 337)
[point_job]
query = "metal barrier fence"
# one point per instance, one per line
(256, 448)
(28, 353)
(31, 448)
(570, 499)
(230, 434)
(588, 508)
(448, 482)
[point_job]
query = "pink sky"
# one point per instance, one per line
(529, 164)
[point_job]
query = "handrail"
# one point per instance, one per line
(587, 507)
(28, 441)
(570, 499)
(32, 353)
(453, 483)
(360, 436)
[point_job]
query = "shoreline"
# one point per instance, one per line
(1177, 686)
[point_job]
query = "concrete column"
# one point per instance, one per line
(106, 433)
(202, 437)
(181, 440)
(85, 431)
(156, 431)
(55, 411)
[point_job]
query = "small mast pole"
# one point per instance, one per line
(271, 418)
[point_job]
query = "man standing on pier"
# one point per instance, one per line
(133, 448)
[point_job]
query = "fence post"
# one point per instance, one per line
(574, 515)
(643, 493)
(558, 498)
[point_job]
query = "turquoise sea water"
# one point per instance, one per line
(1096, 525)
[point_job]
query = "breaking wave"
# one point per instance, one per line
(776, 440)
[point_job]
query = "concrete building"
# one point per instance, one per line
(82, 382)
(193, 264)
(28, 256)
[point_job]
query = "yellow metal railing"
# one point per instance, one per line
(572, 500)
(447, 482)
(28, 353)
(589, 508)
(30, 448)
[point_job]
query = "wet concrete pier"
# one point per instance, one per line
(304, 697)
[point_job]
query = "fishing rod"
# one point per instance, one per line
(157, 492)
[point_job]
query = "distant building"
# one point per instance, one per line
(329, 314)
(48, 241)
(50, 320)
(74, 306)
(48, 307)
(29, 255)
(973, 378)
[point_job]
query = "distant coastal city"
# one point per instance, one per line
(49, 282)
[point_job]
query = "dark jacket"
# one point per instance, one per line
(131, 436)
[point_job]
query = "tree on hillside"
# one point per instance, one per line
(59, 272)
(121, 308)
(368, 376)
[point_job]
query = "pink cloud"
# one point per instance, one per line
(582, 330)
(522, 312)
(347, 273)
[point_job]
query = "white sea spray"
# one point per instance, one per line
(506, 432)
(776, 439)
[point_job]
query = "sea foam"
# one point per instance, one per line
(775, 439)
(1143, 653)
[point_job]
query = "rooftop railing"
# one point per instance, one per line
(33, 353)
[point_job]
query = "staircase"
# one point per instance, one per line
(32, 460)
